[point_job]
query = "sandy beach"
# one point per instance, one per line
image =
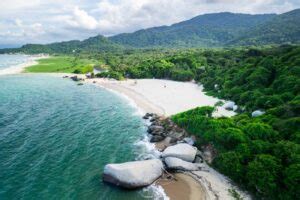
(163, 97)
(20, 68)
(183, 188)
(166, 98)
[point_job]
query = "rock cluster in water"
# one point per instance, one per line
(177, 154)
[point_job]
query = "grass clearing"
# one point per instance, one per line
(63, 64)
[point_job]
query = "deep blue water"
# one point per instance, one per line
(56, 137)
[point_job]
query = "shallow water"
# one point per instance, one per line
(56, 137)
(7, 61)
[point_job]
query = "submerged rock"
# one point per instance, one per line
(183, 151)
(178, 164)
(132, 175)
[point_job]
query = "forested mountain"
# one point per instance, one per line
(209, 30)
(202, 31)
(94, 44)
(284, 28)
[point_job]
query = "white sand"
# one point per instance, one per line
(170, 97)
(217, 186)
(163, 96)
(20, 68)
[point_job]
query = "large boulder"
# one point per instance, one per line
(133, 175)
(178, 164)
(183, 151)
(257, 113)
(230, 105)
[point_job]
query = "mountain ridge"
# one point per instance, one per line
(222, 29)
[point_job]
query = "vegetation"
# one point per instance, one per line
(262, 153)
(252, 151)
(65, 64)
(93, 44)
(209, 30)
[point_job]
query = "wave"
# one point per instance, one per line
(146, 149)
(19, 68)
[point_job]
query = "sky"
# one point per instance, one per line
(46, 21)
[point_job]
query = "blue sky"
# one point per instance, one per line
(45, 21)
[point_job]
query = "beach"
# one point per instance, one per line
(16, 69)
(166, 98)
(163, 97)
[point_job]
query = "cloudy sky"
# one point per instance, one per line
(45, 21)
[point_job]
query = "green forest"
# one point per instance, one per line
(261, 153)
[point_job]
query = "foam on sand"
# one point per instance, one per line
(16, 69)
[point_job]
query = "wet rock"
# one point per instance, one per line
(153, 129)
(157, 138)
(147, 115)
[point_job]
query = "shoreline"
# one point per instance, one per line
(208, 184)
(163, 97)
(20, 68)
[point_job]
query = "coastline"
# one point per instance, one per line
(163, 97)
(17, 69)
(207, 184)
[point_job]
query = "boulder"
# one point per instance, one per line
(155, 130)
(189, 140)
(183, 151)
(133, 175)
(157, 138)
(175, 134)
(178, 164)
(257, 113)
(230, 105)
(198, 159)
(147, 115)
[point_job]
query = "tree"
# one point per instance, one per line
(292, 180)
(229, 163)
(262, 174)
(259, 130)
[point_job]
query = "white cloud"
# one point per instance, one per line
(81, 19)
(43, 21)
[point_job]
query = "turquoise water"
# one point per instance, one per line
(56, 137)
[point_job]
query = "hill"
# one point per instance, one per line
(94, 44)
(204, 31)
(208, 30)
(284, 28)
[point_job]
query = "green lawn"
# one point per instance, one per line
(64, 64)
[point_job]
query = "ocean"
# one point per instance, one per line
(56, 137)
